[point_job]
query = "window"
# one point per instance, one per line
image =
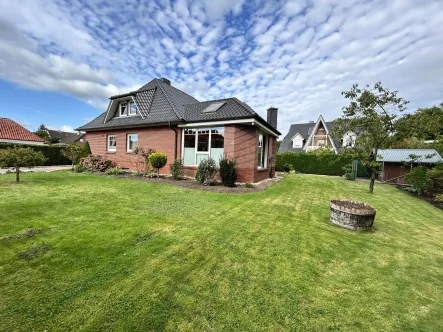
(261, 151)
(112, 142)
(132, 108)
(321, 142)
(297, 141)
(201, 143)
(123, 109)
(132, 142)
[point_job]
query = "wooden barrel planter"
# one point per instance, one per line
(352, 215)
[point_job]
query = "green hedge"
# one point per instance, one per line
(325, 164)
(53, 153)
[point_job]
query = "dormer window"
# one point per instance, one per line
(123, 109)
(127, 108)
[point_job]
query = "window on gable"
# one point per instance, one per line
(112, 143)
(123, 109)
(132, 108)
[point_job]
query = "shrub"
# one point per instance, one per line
(95, 163)
(143, 158)
(86, 150)
(419, 179)
(73, 152)
(138, 173)
(115, 171)
(325, 163)
(20, 157)
(176, 169)
(228, 172)
(439, 198)
(206, 171)
(53, 154)
(348, 172)
(249, 185)
(158, 160)
(79, 169)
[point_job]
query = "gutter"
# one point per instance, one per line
(175, 140)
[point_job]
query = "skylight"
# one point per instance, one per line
(214, 107)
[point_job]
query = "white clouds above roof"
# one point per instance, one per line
(297, 56)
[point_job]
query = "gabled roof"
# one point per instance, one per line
(11, 130)
(64, 137)
(158, 103)
(305, 130)
(402, 155)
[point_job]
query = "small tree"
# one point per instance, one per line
(177, 169)
(228, 172)
(158, 160)
(86, 150)
(20, 157)
(372, 113)
(73, 152)
(419, 179)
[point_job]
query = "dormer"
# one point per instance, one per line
(298, 141)
(127, 108)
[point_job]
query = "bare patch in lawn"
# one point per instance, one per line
(32, 252)
(28, 234)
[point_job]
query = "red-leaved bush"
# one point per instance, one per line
(95, 163)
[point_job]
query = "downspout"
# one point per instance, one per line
(175, 140)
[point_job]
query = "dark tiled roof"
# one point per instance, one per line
(64, 137)
(11, 130)
(304, 129)
(159, 102)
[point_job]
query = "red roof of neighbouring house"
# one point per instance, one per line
(11, 130)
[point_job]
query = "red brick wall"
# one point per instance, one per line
(160, 139)
(240, 143)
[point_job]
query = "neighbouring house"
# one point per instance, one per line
(161, 117)
(396, 163)
(12, 132)
(64, 137)
(305, 137)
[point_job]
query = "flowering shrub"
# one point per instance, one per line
(95, 163)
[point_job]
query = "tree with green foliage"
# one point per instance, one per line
(158, 160)
(20, 157)
(86, 150)
(73, 152)
(43, 134)
(419, 179)
(372, 113)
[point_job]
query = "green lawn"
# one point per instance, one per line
(127, 255)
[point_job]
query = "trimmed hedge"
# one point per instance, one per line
(324, 164)
(52, 153)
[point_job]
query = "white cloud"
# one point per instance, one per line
(295, 55)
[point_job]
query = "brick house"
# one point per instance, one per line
(161, 117)
(305, 137)
(12, 132)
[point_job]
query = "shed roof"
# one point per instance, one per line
(425, 156)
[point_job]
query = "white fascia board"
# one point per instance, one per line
(298, 134)
(252, 122)
(16, 141)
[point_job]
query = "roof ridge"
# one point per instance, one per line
(167, 98)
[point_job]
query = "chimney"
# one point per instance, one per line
(165, 80)
(272, 116)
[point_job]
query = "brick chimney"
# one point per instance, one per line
(272, 116)
(165, 80)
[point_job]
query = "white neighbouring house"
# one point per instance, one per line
(305, 137)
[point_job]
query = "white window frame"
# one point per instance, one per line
(208, 153)
(120, 108)
(264, 148)
(130, 108)
(109, 147)
(127, 141)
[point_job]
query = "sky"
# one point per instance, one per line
(60, 61)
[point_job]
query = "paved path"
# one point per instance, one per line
(38, 169)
